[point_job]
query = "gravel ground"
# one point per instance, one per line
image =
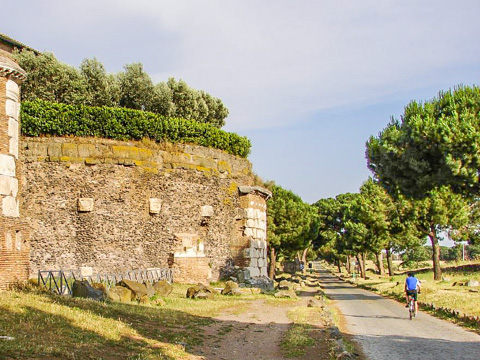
(384, 331)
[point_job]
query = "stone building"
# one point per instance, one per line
(113, 206)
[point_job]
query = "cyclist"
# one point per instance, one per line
(412, 288)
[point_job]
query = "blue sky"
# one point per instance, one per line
(307, 81)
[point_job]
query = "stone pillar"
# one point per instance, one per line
(253, 200)
(14, 245)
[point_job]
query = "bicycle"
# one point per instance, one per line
(411, 308)
(411, 305)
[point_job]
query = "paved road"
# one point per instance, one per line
(383, 328)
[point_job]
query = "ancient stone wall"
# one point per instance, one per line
(117, 206)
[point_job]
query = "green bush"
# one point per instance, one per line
(49, 118)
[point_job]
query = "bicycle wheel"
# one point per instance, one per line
(411, 309)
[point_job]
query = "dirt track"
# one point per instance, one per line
(256, 334)
(384, 331)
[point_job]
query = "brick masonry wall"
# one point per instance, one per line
(192, 270)
(115, 229)
(14, 252)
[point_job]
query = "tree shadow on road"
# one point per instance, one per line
(411, 347)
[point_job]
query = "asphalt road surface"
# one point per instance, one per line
(384, 330)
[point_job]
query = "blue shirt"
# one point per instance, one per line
(411, 282)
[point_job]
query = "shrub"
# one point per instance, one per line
(49, 118)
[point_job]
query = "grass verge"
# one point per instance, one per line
(45, 326)
(299, 335)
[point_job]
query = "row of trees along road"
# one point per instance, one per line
(426, 184)
(430, 161)
(292, 226)
(51, 80)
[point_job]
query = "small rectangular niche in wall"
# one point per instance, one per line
(8, 241)
(18, 240)
(85, 204)
(155, 205)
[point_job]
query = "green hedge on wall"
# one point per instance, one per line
(48, 118)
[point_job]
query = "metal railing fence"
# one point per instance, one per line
(60, 281)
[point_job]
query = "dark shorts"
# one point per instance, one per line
(413, 293)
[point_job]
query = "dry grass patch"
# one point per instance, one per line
(45, 326)
(299, 336)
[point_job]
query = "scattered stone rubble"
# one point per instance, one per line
(124, 291)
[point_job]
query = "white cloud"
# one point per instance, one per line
(274, 62)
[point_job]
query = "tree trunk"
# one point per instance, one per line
(361, 266)
(389, 262)
(348, 265)
(299, 258)
(379, 257)
(437, 271)
(273, 263)
(339, 265)
(304, 255)
(364, 258)
(304, 259)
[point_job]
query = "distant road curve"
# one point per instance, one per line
(384, 331)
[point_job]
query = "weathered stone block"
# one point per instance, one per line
(13, 147)
(86, 271)
(120, 294)
(253, 262)
(7, 165)
(85, 204)
(163, 288)
(229, 288)
(249, 213)
(263, 271)
(10, 207)
(69, 150)
(13, 91)
(260, 235)
(36, 149)
(92, 161)
(254, 271)
(248, 232)
(85, 150)
(206, 211)
(155, 205)
(12, 108)
(8, 185)
(13, 128)
(85, 290)
(138, 290)
(54, 150)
